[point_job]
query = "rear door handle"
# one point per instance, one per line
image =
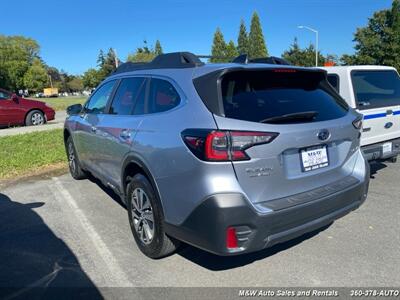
(125, 134)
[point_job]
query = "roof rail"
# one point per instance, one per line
(174, 60)
(243, 59)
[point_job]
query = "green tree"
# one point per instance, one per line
(243, 39)
(231, 51)
(35, 79)
(158, 49)
(348, 60)
(75, 84)
(218, 49)
(17, 54)
(91, 78)
(257, 47)
(379, 42)
(145, 53)
(302, 57)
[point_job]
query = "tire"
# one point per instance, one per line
(393, 159)
(34, 118)
(73, 162)
(146, 219)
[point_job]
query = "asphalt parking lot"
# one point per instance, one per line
(58, 231)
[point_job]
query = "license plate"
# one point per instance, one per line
(314, 158)
(387, 148)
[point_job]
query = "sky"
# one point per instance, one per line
(72, 32)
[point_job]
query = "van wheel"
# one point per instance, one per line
(393, 159)
(73, 162)
(35, 117)
(146, 219)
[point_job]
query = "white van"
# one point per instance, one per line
(375, 92)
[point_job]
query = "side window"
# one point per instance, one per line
(162, 96)
(126, 96)
(98, 101)
(333, 79)
(4, 95)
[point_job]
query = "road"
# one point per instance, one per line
(66, 232)
(58, 122)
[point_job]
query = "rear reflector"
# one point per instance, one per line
(214, 145)
(231, 238)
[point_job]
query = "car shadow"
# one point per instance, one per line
(376, 166)
(214, 262)
(35, 263)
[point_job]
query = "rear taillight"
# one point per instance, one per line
(224, 145)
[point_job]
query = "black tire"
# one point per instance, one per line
(34, 118)
(393, 159)
(160, 245)
(73, 162)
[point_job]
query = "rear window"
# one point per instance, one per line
(261, 95)
(374, 89)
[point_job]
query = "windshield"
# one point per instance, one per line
(373, 89)
(264, 96)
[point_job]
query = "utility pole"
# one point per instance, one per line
(115, 57)
(316, 41)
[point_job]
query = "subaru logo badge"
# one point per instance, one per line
(324, 134)
(388, 125)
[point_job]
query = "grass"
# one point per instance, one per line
(63, 102)
(31, 153)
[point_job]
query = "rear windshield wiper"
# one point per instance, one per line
(305, 115)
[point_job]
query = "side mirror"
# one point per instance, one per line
(15, 98)
(74, 109)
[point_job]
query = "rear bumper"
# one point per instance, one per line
(206, 227)
(375, 151)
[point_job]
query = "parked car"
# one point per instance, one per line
(375, 92)
(231, 158)
(15, 110)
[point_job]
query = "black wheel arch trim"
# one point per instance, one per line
(132, 158)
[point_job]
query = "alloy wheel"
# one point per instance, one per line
(37, 119)
(71, 158)
(142, 214)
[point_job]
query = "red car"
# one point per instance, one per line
(15, 110)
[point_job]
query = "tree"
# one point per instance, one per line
(347, 60)
(257, 47)
(218, 48)
(302, 57)
(379, 42)
(158, 49)
(145, 53)
(231, 51)
(75, 84)
(17, 54)
(35, 79)
(91, 78)
(243, 39)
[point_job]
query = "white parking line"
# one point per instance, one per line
(116, 272)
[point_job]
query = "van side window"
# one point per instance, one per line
(126, 96)
(98, 101)
(333, 79)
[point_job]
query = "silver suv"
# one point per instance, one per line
(231, 158)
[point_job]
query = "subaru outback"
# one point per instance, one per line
(231, 158)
